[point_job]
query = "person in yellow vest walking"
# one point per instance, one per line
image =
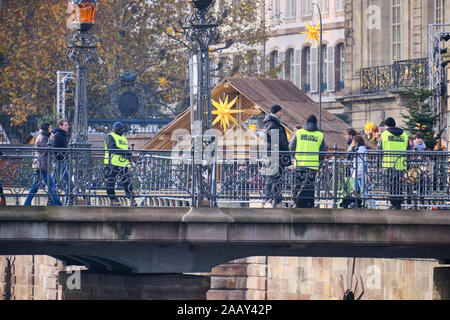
(117, 164)
(307, 143)
(394, 139)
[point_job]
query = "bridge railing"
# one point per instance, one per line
(375, 179)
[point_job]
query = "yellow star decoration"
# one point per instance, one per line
(313, 33)
(169, 30)
(163, 82)
(252, 127)
(224, 112)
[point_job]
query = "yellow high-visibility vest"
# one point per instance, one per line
(308, 141)
(117, 159)
(392, 142)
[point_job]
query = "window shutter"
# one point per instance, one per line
(282, 73)
(297, 69)
(314, 68)
(330, 69)
(306, 8)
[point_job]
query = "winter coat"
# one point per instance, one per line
(40, 161)
(359, 161)
(272, 122)
(59, 141)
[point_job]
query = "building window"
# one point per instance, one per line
(396, 23)
(252, 61)
(275, 9)
(291, 9)
(340, 66)
(324, 67)
(323, 6)
(438, 11)
(340, 5)
(289, 66)
(306, 69)
(306, 8)
(273, 60)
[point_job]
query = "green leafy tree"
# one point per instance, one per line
(420, 118)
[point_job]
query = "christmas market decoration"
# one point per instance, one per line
(372, 132)
(313, 33)
(420, 118)
(162, 81)
(224, 112)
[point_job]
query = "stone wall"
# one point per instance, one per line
(29, 278)
(290, 278)
(242, 279)
(255, 278)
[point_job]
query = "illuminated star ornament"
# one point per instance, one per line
(224, 112)
(313, 33)
(163, 82)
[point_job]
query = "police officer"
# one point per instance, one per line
(117, 164)
(307, 144)
(394, 139)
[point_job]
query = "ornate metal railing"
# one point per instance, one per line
(400, 74)
(158, 178)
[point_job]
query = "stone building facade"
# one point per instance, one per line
(287, 47)
(386, 42)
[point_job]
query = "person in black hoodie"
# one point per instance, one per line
(62, 172)
(277, 142)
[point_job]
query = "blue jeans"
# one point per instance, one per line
(62, 174)
(37, 178)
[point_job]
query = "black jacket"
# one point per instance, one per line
(59, 141)
(272, 122)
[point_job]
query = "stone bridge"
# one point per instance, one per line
(183, 240)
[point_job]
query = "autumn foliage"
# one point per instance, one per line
(133, 37)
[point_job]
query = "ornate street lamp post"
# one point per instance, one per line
(82, 49)
(201, 29)
(320, 65)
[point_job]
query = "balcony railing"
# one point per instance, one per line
(400, 74)
(158, 178)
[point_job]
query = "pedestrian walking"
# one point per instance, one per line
(359, 170)
(41, 167)
(278, 143)
(307, 143)
(62, 159)
(394, 143)
(117, 164)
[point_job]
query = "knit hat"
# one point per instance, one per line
(118, 126)
(274, 109)
(390, 122)
(312, 119)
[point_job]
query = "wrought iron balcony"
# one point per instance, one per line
(400, 74)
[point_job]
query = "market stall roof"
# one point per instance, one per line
(257, 95)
